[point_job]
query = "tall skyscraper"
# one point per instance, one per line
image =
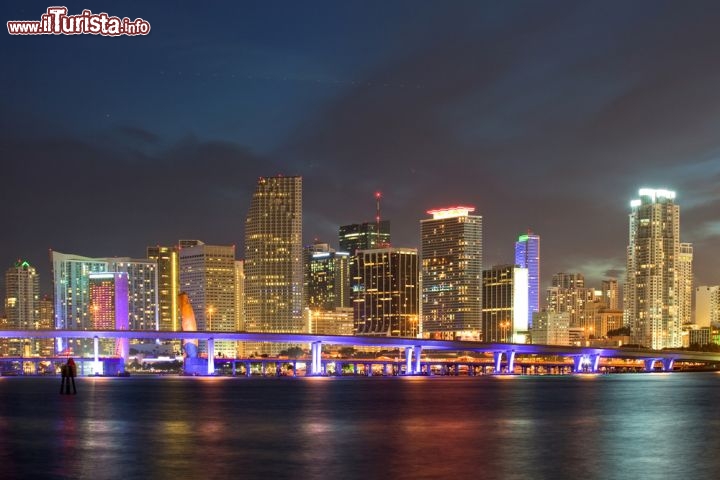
(610, 294)
(387, 302)
(527, 255)
(364, 236)
(142, 277)
(167, 285)
(207, 276)
(273, 257)
(505, 304)
(568, 293)
(326, 278)
(451, 253)
(685, 283)
(109, 301)
(22, 296)
(653, 262)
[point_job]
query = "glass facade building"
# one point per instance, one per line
(527, 255)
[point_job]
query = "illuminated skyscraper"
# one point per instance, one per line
(207, 276)
(273, 257)
(504, 313)
(109, 301)
(142, 277)
(326, 278)
(387, 300)
(167, 285)
(685, 283)
(451, 253)
(568, 293)
(527, 255)
(610, 294)
(653, 262)
(707, 305)
(22, 296)
(364, 236)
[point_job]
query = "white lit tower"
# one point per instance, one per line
(653, 262)
(527, 255)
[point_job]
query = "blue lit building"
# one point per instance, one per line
(527, 255)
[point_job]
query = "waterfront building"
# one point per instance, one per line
(527, 255)
(142, 277)
(451, 255)
(167, 285)
(22, 304)
(568, 293)
(364, 236)
(326, 277)
(338, 321)
(652, 303)
(387, 299)
(207, 276)
(109, 302)
(240, 303)
(685, 283)
(273, 259)
(610, 294)
(707, 305)
(550, 328)
(504, 313)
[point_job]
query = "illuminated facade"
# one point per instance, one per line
(387, 299)
(707, 305)
(569, 294)
(610, 294)
(326, 278)
(550, 328)
(207, 276)
(364, 236)
(240, 303)
(338, 321)
(109, 300)
(527, 255)
(653, 277)
(505, 304)
(142, 275)
(451, 253)
(273, 257)
(167, 285)
(22, 296)
(685, 283)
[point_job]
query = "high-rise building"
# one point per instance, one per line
(273, 257)
(505, 304)
(707, 305)
(569, 294)
(550, 328)
(610, 294)
(22, 296)
(142, 277)
(364, 236)
(338, 321)
(653, 280)
(387, 300)
(527, 255)
(326, 278)
(109, 294)
(685, 283)
(167, 285)
(207, 276)
(240, 303)
(45, 347)
(451, 253)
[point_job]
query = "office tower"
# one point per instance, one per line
(364, 236)
(142, 277)
(22, 304)
(707, 305)
(451, 253)
(326, 278)
(610, 294)
(45, 347)
(167, 285)
(527, 255)
(207, 276)
(338, 321)
(72, 297)
(550, 328)
(109, 307)
(22, 296)
(685, 283)
(240, 304)
(505, 304)
(569, 294)
(387, 301)
(273, 257)
(652, 285)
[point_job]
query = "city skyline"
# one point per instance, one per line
(544, 116)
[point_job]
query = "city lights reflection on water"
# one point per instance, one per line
(502, 427)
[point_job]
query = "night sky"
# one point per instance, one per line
(545, 115)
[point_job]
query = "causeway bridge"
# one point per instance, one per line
(584, 359)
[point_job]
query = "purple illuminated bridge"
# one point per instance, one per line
(584, 358)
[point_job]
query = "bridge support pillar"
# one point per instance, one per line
(211, 356)
(649, 364)
(316, 368)
(510, 354)
(595, 362)
(578, 363)
(247, 369)
(408, 360)
(497, 357)
(418, 368)
(97, 368)
(668, 364)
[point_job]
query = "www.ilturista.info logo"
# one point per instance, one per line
(57, 22)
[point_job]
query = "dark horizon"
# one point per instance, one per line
(547, 116)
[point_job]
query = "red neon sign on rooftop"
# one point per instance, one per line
(449, 212)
